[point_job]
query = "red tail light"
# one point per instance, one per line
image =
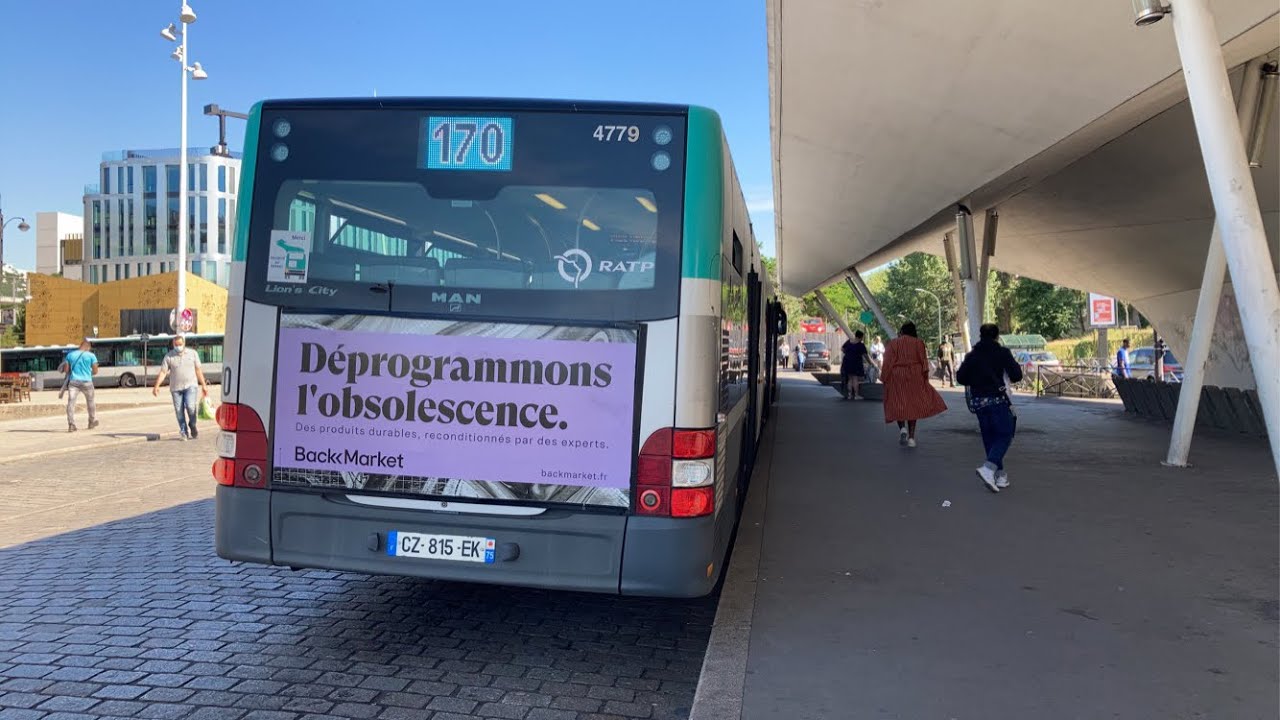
(675, 473)
(242, 446)
(693, 502)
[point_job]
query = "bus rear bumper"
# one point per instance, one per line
(671, 557)
(242, 524)
(559, 549)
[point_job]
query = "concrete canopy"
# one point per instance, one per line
(1064, 116)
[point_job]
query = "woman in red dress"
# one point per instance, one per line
(908, 396)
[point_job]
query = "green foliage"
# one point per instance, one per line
(901, 302)
(806, 306)
(1048, 310)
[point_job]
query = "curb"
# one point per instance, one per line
(148, 437)
(722, 682)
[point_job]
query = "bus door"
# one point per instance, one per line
(753, 374)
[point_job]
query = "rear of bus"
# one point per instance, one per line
(452, 347)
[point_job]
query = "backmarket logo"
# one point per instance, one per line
(574, 266)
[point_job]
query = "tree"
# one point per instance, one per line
(1048, 310)
(900, 301)
(806, 306)
(1001, 287)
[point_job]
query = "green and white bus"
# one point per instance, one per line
(502, 341)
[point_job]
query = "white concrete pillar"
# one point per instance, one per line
(861, 288)
(989, 226)
(1215, 270)
(1235, 201)
(962, 315)
(974, 285)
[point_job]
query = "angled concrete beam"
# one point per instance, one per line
(830, 310)
(1215, 270)
(1235, 201)
(864, 295)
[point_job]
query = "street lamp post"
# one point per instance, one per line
(939, 301)
(22, 227)
(186, 16)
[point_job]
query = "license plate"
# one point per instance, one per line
(440, 547)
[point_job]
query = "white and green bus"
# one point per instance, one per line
(517, 342)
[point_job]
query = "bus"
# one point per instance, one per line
(499, 341)
(122, 361)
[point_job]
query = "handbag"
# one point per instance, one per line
(206, 409)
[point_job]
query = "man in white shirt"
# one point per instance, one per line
(183, 364)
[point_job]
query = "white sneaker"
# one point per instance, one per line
(911, 442)
(988, 478)
(902, 436)
(1002, 480)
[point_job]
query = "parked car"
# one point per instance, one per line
(816, 355)
(1030, 359)
(1142, 364)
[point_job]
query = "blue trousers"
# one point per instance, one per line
(185, 405)
(998, 425)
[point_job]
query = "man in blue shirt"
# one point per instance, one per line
(1122, 359)
(80, 366)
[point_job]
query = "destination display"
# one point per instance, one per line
(435, 407)
(467, 143)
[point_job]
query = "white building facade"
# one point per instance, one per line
(60, 244)
(131, 215)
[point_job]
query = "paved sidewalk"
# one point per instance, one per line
(29, 438)
(47, 496)
(873, 581)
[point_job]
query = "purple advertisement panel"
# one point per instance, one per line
(455, 409)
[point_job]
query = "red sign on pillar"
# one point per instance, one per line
(1102, 311)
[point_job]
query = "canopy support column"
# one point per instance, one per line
(863, 293)
(989, 227)
(1215, 270)
(962, 315)
(1235, 201)
(975, 285)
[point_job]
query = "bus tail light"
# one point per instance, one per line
(675, 474)
(242, 447)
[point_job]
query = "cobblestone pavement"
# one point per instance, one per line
(47, 495)
(139, 619)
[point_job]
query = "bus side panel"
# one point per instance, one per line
(242, 516)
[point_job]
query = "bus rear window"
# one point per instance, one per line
(423, 210)
(525, 238)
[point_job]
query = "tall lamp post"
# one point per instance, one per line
(186, 16)
(922, 291)
(22, 227)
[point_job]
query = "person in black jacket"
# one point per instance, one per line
(986, 371)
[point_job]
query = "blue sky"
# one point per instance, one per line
(78, 77)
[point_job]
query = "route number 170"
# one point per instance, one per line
(616, 133)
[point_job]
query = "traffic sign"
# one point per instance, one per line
(866, 317)
(184, 323)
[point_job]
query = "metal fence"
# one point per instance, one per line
(1090, 380)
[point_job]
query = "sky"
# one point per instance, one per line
(80, 77)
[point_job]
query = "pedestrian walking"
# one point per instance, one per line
(182, 366)
(800, 356)
(945, 358)
(1122, 359)
(784, 352)
(986, 373)
(908, 396)
(853, 366)
(80, 365)
(877, 357)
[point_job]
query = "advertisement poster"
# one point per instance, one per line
(1102, 310)
(455, 409)
(287, 258)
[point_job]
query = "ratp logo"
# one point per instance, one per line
(577, 260)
